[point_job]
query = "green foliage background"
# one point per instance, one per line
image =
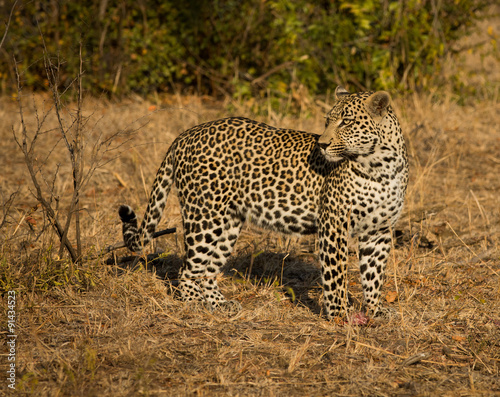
(237, 47)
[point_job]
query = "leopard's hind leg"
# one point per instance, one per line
(208, 244)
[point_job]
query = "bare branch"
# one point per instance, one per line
(28, 158)
(155, 235)
(8, 24)
(6, 204)
(87, 152)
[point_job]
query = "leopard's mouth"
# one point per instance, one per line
(333, 157)
(338, 156)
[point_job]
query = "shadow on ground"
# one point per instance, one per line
(300, 280)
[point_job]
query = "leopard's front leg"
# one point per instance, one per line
(374, 248)
(333, 256)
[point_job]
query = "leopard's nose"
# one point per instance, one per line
(323, 145)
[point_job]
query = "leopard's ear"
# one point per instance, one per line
(340, 91)
(377, 103)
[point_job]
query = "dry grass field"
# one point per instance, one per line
(105, 328)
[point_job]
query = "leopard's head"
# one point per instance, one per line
(352, 126)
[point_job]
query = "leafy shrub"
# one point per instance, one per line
(238, 47)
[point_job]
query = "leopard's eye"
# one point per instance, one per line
(327, 122)
(345, 122)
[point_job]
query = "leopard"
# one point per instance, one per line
(350, 181)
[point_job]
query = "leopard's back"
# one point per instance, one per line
(267, 175)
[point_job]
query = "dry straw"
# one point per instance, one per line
(112, 330)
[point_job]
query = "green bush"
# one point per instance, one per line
(238, 47)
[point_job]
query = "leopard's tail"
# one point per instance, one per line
(136, 238)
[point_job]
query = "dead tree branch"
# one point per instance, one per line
(7, 25)
(122, 244)
(86, 150)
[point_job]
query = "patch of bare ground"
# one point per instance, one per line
(119, 331)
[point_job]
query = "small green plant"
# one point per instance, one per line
(457, 296)
(289, 290)
(28, 382)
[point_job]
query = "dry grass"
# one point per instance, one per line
(113, 331)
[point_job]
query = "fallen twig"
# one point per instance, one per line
(122, 244)
(416, 359)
